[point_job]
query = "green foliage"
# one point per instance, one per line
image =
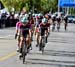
(39, 5)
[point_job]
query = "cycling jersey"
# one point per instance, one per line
(38, 20)
(25, 29)
(43, 28)
(48, 24)
(18, 25)
(31, 22)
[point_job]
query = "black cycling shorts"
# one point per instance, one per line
(43, 31)
(25, 33)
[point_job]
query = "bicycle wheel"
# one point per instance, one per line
(65, 27)
(53, 28)
(58, 27)
(42, 49)
(40, 45)
(43, 44)
(45, 39)
(24, 52)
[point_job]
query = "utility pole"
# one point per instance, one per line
(58, 6)
(67, 10)
(0, 5)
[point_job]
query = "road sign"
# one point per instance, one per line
(66, 3)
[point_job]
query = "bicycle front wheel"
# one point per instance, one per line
(24, 52)
(42, 49)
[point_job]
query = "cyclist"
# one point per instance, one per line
(48, 17)
(58, 18)
(53, 22)
(31, 21)
(18, 33)
(38, 21)
(43, 29)
(18, 24)
(65, 22)
(25, 33)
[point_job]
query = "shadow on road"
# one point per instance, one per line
(59, 53)
(46, 62)
(56, 53)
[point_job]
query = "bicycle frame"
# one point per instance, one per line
(43, 41)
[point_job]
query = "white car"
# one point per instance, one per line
(71, 18)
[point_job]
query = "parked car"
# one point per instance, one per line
(71, 18)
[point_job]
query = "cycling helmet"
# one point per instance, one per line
(40, 14)
(36, 15)
(26, 15)
(33, 15)
(29, 13)
(24, 20)
(44, 20)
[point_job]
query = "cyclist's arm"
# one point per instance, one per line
(16, 28)
(30, 30)
(16, 31)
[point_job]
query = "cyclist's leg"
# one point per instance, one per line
(28, 38)
(57, 25)
(33, 27)
(48, 30)
(40, 37)
(46, 34)
(53, 26)
(22, 35)
(18, 43)
(35, 30)
(31, 32)
(21, 43)
(37, 39)
(28, 42)
(37, 36)
(65, 25)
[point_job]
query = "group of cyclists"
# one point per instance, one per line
(33, 24)
(58, 20)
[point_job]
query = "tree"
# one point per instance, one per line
(39, 5)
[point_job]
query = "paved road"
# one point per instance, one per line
(59, 51)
